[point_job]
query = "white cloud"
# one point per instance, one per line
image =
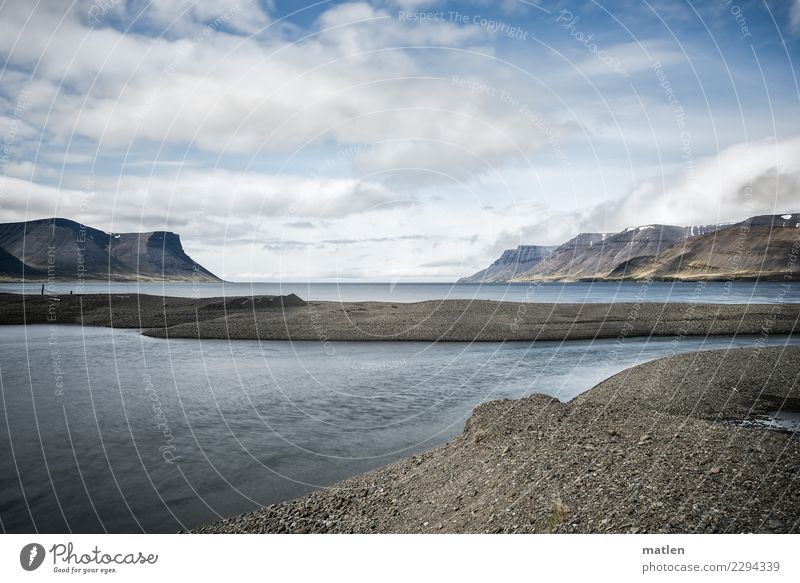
(181, 18)
(147, 203)
(413, 4)
(743, 180)
(627, 59)
(794, 16)
(352, 84)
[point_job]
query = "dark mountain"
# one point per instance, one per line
(13, 268)
(790, 220)
(760, 247)
(511, 263)
(66, 250)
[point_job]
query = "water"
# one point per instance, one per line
(245, 423)
(740, 292)
(782, 420)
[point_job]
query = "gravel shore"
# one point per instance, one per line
(673, 445)
(290, 318)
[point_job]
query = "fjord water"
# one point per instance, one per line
(108, 430)
(735, 292)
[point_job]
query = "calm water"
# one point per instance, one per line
(91, 416)
(599, 292)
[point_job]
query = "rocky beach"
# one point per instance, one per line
(682, 444)
(291, 318)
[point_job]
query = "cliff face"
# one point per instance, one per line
(578, 255)
(511, 266)
(511, 263)
(756, 247)
(66, 250)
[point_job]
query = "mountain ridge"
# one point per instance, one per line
(757, 247)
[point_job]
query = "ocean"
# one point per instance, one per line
(737, 292)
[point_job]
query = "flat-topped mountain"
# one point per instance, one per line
(66, 250)
(511, 263)
(758, 247)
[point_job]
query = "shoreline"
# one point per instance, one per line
(293, 319)
(720, 277)
(641, 452)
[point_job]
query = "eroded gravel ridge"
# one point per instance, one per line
(290, 318)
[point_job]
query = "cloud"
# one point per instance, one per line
(281, 245)
(145, 203)
(794, 17)
(181, 18)
(350, 82)
(413, 4)
(293, 245)
(627, 59)
(743, 180)
(300, 225)
(374, 240)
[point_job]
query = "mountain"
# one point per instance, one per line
(66, 250)
(593, 255)
(13, 268)
(510, 264)
(756, 247)
(579, 254)
(760, 247)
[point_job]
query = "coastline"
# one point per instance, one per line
(672, 445)
(291, 318)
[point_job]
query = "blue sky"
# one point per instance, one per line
(395, 139)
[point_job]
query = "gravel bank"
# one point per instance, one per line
(290, 318)
(660, 447)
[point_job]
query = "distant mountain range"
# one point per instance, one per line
(65, 250)
(759, 247)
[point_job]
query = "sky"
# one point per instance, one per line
(395, 140)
